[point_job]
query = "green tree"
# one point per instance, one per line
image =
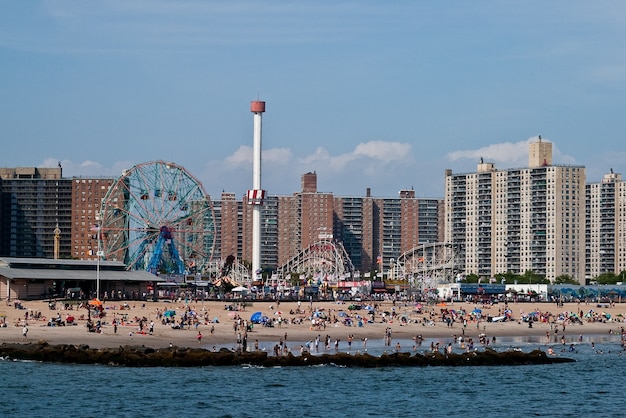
(530, 277)
(565, 279)
(607, 278)
(508, 277)
(471, 278)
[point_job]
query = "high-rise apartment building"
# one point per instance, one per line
(302, 219)
(87, 197)
(518, 220)
(606, 226)
(353, 227)
(229, 224)
(34, 202)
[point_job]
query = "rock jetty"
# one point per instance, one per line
(141, 356)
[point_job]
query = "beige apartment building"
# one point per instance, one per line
(606, 226)
(519, 220)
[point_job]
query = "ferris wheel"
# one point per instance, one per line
(157, 217)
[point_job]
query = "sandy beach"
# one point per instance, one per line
(297, 328)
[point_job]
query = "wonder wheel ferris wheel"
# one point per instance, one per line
(157, 217)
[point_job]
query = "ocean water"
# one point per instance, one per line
(592, 386)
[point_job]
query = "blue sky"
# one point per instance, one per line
(384, 95)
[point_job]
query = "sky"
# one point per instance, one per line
(367, 94)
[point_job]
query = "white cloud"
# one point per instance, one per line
(244, 154)
(384, 151)
(367, 162)
(320, 154)
(510, 154)
(515, 153)
(372, 151)
(382, 165)
(88, 168)
(277, 156)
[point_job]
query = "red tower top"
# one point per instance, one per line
(257, 107)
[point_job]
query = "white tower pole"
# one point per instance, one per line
(256, 195)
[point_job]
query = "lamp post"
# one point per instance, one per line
(98, 253)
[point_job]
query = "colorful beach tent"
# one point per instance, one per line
(258, 318)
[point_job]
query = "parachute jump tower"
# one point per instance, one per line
(256, 194)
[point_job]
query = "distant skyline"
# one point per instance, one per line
(368, 94)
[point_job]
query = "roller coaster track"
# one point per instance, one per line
(325, 257)
(427, 265)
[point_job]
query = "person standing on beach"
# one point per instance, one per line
(199, 336)
(25, 332)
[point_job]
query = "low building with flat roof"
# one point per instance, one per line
(41, 278)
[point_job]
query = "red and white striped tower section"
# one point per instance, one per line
(256, 194)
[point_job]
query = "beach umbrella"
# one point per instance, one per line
(95, 302)
(169, 313)
(278, 313)
(256, 317)
(477, 311)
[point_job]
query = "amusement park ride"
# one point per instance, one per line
(157, 217)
